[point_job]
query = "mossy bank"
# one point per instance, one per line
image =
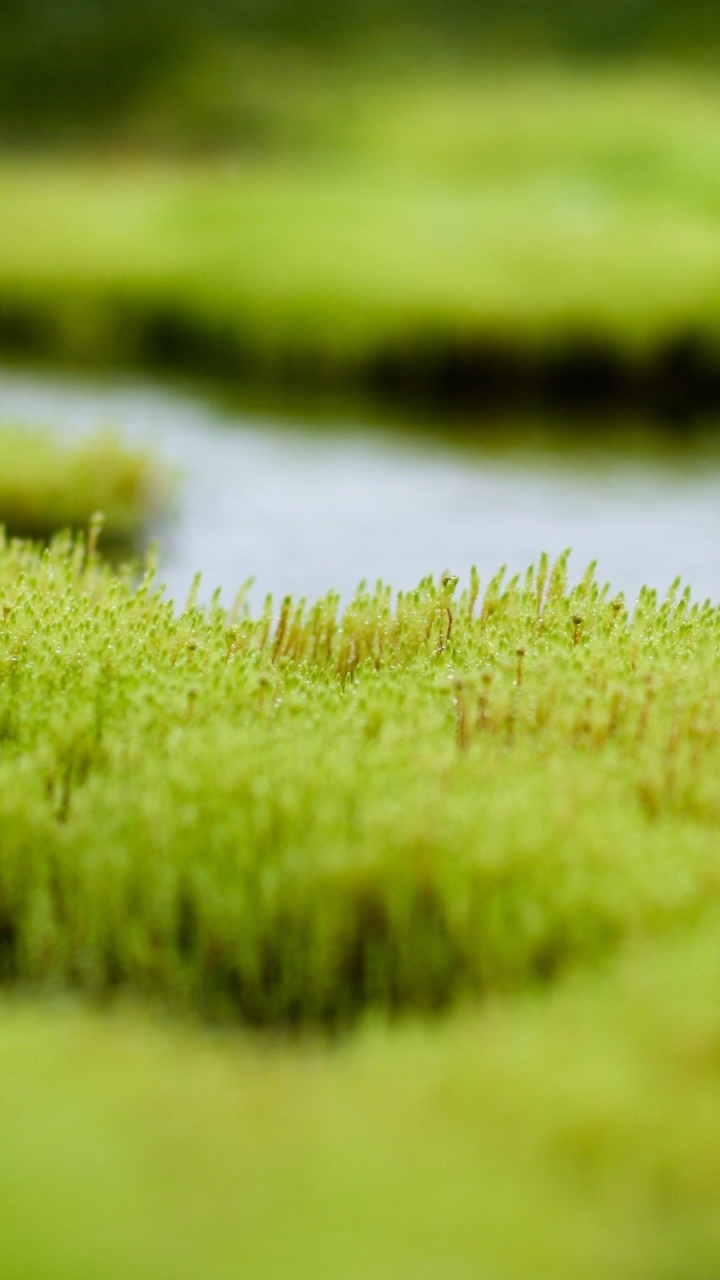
(467, 239)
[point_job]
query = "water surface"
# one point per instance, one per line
(303, 510)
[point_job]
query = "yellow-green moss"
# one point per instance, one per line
(47, 485)
(298, 816)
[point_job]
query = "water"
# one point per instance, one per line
(304, 510)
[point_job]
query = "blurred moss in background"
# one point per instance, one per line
(78, 67)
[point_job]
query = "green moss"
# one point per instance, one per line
(568, 1135)
(296, 817)
(537, 234)
(46, 485)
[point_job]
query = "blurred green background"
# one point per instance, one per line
(469, 204)
(82, 64)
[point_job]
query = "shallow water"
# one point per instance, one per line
(304, 510)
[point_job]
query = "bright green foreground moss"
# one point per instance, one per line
(300, 817)
(46, 486)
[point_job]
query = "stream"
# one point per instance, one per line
(303, 509)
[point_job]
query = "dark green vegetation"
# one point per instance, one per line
(518, 238)
(80, 66)
(294, 819)
(46, 486)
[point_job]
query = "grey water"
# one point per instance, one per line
(302, 510)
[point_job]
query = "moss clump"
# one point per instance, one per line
(296, 816)
(46, 485)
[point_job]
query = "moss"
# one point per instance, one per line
(46, 486)
(295, 819)
(530, 237)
